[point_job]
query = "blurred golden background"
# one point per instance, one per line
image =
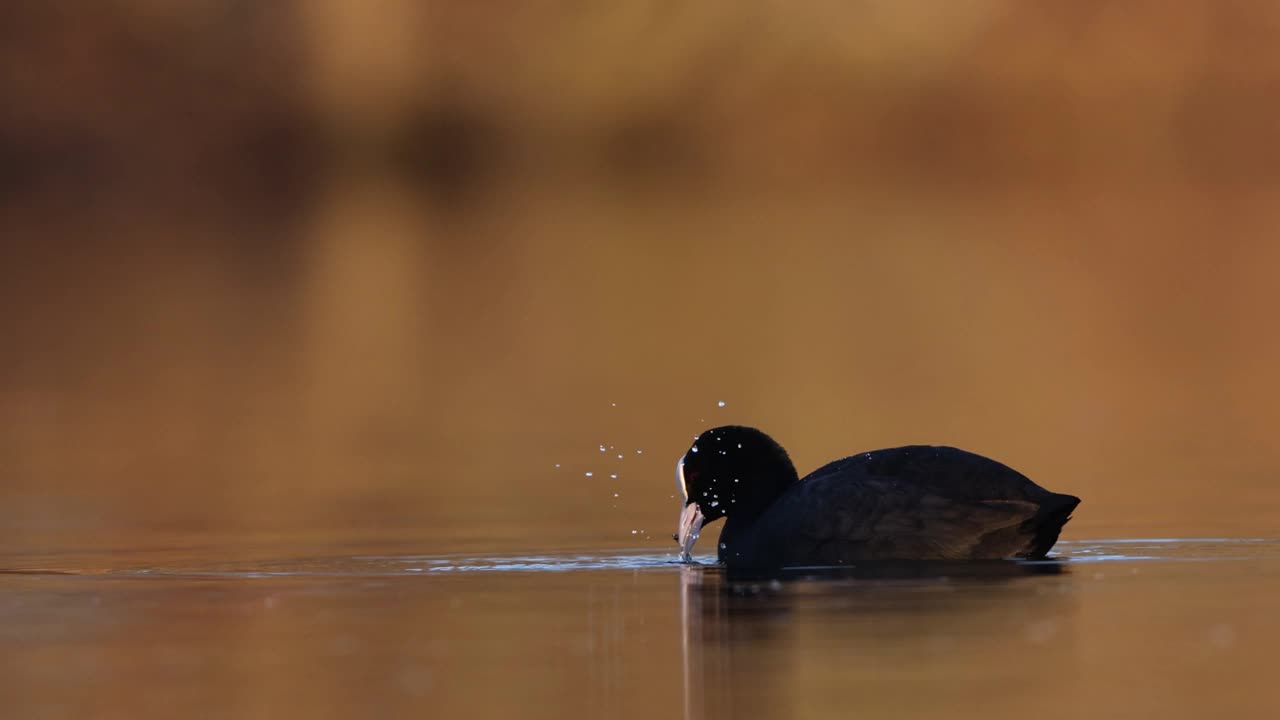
(350, 272)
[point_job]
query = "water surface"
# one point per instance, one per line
(1123, 628)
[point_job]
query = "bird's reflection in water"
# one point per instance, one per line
(764, 645)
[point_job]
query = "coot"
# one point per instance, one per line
(909, 503)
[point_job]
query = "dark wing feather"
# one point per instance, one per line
(915, 502)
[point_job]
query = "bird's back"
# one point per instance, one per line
(907, 503)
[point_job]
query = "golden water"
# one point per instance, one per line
(315, 317)
(1138, 628)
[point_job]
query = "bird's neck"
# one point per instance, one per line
(732, 537)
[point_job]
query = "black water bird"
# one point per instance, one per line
(916, 502)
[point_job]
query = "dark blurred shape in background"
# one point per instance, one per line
(325, 267)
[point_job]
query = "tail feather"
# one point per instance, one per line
(1045, 526)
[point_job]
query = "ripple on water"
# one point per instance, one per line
(1067, 552)
(537, 563)
(423, 565)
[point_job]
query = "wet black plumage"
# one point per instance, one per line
(907, 503)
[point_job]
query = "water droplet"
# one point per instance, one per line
(590, 474)
(557, 464)
(735, 479)
(720, 404)
(613, 475)
(639, 452)
(601, 448)
(722, 546)
(633, 532)
(619, 457)
(715, 504)
(615, 494)
(739, 446)
(693, 449)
